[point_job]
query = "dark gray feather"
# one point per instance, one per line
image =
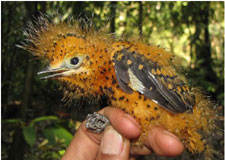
(122, 76)
(154, 88)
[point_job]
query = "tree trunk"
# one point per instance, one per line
(29, 70)
(205, 51)
(18, 145)
(140, 18)
(7, 60)
(113, 14)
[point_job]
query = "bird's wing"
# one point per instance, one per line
(134, 72)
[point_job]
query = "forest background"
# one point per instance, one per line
(36, 124)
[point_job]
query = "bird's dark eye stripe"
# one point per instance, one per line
(74, 61)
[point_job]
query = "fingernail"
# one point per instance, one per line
(129, 117)
(170, 135)
(112, 142)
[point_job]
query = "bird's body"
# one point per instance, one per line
(138, 78)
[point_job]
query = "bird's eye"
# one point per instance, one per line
(74, 61)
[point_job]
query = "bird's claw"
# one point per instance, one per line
(96, 122)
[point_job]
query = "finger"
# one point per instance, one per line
(140, 150)
(164, 143)
(85, 144)
(124, 123)
(113, 146)
(82, 147)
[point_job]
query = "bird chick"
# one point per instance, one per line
(143, 80)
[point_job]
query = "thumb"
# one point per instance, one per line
(113, 146)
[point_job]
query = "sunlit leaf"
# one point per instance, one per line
(43, 143)
(61, 152)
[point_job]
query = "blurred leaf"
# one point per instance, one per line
(77, 125)
(11, 121)
(29, 134)
(55, 155)
(44, 118)
(43, 143)
(61, 152)
(54, 133)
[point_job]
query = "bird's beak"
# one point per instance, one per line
(57, 72)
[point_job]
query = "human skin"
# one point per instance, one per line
(114, 142)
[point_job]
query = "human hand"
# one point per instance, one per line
(114, 142)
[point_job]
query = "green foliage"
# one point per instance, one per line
(42, 137)
(55, 133)
(44, 118)
(12, 121)
(29, 134)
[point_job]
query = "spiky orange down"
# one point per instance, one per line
(96, 76)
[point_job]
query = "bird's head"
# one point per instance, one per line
(75, 56)
(67, 59)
